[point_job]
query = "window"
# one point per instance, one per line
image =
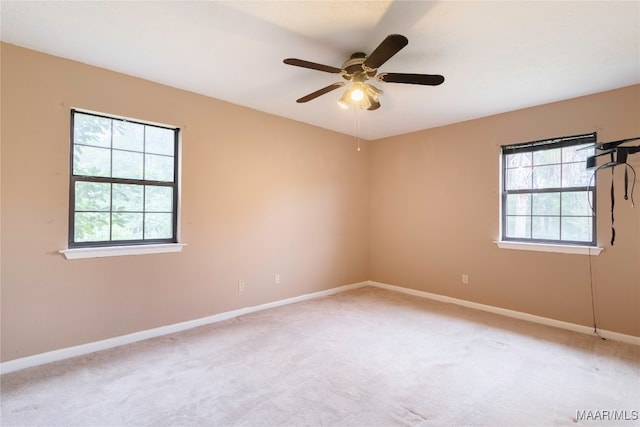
(124, 182)
(548, 193)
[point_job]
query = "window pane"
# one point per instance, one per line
(128, 136)
(518, 179)
(546, 157)
(545, 227)
(127, 226)
(127, 197)
(159, 140)
(158, 199)
(577, 229)
(546, 177)
(577, 203)
(519, 226)
(576, 153)
(518, 204)
(546, 204)
(518, 160)
(158, 168)
(576, 175)
(91, 226)
(158, 226)
(91, 130)
(92, 196)
(91, 161)
(127, 164)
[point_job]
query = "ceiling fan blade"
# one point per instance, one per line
(314, 66)
(389, 47)
(322, 91)
(415, 79)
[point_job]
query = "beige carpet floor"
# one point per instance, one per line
(367, 357)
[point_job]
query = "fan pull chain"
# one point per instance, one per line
(357, 125)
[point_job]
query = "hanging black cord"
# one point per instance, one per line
(633, 184)
(613, 231)
(593, 299)
(593, 208)
(613, 203)
(626, 184)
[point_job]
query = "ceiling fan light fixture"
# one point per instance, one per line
(372, 92)
(357, 92)
(352, 96)
(345, 100)
(361, 95)
(364, 103)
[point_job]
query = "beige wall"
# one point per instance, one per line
(260, 195)
(264, 195)
(435, 215)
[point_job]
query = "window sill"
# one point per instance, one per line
(541, 247)
(107, 251)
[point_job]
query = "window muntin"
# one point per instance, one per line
(547, 192)
(124, 182)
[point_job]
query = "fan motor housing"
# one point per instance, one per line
(354, 70)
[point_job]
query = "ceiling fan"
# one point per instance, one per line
(360, 68)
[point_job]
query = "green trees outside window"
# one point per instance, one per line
(547, 192)
(123, 182)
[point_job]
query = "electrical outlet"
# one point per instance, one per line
(276, 279)
(465, 279)
(240, 286)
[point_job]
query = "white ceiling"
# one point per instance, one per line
(495, 56)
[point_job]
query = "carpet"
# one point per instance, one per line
(367, 357)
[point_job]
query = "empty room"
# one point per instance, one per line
(320, 213)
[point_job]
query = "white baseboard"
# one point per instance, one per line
(615, 336)
(80, 350)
